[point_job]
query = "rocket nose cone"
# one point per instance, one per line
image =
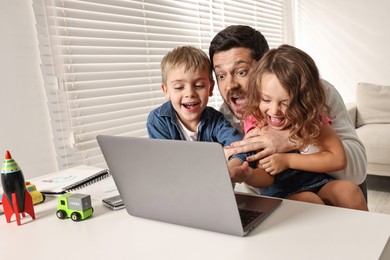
(8, 155)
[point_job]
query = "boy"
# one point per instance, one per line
(187, 83)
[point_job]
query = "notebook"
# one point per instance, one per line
(70, 179)
(180, 182)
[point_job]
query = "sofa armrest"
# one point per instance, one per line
(352, 111)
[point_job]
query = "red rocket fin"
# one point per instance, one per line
(28, 204)
(8, 211)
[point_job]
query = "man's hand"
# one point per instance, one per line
(264, 142)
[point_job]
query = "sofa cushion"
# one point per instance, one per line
(372, 102)
(376, 139)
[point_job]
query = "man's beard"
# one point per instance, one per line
(236, 101)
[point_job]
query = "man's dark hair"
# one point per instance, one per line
(235, 36)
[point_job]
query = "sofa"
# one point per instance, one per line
(371, 115)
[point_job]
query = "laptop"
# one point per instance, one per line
(181, 182)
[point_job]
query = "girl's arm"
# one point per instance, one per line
(331, 156)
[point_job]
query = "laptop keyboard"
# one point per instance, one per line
(247, 216)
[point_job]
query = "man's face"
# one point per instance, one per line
(232, 68)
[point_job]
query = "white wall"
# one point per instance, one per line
(348, 39)
(25, 125)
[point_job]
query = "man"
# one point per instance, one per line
(233, 52)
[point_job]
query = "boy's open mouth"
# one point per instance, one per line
(190, 105)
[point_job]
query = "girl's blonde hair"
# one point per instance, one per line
(299, 76)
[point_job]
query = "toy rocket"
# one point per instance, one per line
(16, 199)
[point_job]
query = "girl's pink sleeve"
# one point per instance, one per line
(325, 119)
(250, 122)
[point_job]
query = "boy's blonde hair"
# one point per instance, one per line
(190, 57)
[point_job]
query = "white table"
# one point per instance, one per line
(295, 230)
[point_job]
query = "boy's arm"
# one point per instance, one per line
(241, 172)
(157, 132)
(156, 127)
(226, 134)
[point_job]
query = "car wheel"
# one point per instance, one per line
(60, 214)
(75, 216)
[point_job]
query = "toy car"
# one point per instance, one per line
(76, 206)
(37, 197)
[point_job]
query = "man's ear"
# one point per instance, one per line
(212, 83)
(165, 91)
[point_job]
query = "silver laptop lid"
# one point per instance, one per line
(179, 182)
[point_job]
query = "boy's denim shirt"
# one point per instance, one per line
(162, 123)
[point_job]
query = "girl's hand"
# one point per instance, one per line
(275, 163)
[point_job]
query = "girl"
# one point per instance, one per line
(286, 92)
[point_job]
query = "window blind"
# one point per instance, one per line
(101, 60)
